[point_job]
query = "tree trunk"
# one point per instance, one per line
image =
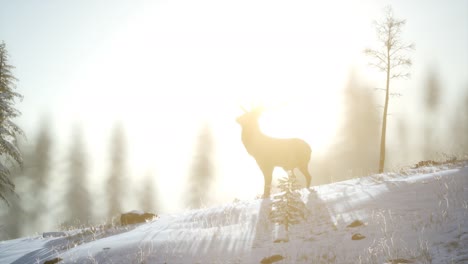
(384, 118)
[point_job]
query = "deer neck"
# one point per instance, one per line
(251, 137)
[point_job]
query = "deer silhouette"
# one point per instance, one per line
(270, 152)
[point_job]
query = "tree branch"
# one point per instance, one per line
(402, 48)
(381, 57)
(400, 61)
(400, 75)
(380, 66)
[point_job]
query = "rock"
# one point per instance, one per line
(281, 240)
(135, 217)
(355, 223)
(271, 259)
(357, 236)
(53, 261)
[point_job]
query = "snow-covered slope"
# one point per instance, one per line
(420, 216)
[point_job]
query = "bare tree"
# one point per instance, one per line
(392, 58)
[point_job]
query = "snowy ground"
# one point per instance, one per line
(420, 216)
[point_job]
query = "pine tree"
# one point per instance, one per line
(460, 126)
(287, 207)
(39, 173)
(432, 101)
(202, 173)
(115, 182)
(13, 222)
(358, 137)
(9, 152)
(148, 198)
(16, 219)
(464, 122)
(79, 201)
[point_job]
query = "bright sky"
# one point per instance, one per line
(164, 67)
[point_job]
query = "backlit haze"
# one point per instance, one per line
(164, 68)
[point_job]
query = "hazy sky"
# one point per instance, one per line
(163, 67)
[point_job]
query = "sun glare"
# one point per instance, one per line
(303, 122)
(177, 76)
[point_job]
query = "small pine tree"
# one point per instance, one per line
(287, 208)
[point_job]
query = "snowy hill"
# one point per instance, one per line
(420, 216)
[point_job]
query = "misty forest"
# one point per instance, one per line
(63, 170)
(50, 188)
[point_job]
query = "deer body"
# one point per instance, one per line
(269, 152)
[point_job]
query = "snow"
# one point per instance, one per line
(417, 216)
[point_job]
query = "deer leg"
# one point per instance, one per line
(306, 173)
(267, 174)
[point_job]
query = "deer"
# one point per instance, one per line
(270, 152)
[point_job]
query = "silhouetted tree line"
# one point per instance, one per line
(442, 135)
(49, 195)
(56, 191)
